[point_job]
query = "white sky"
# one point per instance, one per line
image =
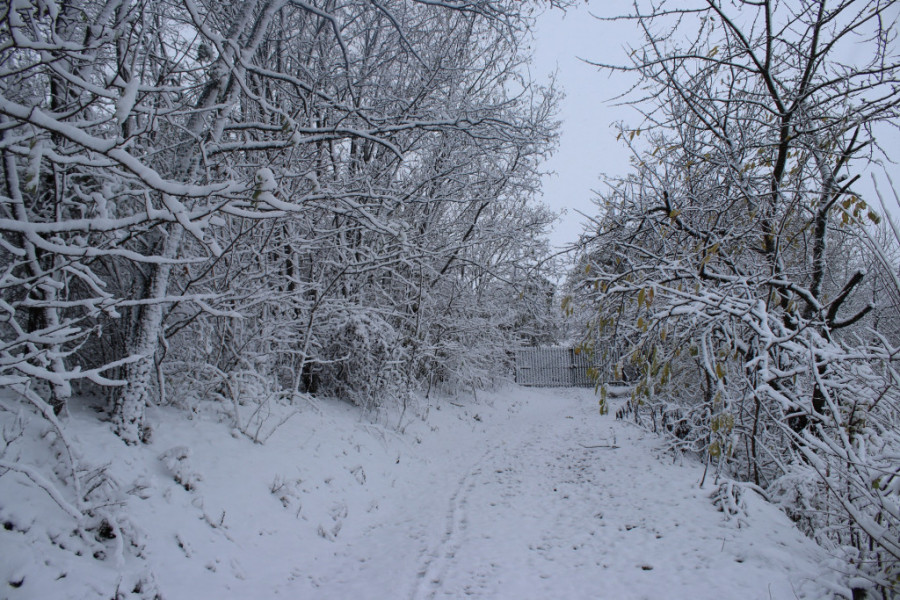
(588, 146)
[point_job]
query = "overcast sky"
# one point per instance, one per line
(588, 144)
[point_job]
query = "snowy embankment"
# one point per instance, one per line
(523, 494)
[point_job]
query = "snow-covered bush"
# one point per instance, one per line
(362, 360)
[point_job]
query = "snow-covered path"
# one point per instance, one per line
(553, 501)
(526, 494)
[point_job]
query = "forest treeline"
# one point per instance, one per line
(266, 198)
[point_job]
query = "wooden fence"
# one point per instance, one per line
(553, 367)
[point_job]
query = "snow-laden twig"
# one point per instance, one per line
(45, 484)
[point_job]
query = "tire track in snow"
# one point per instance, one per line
(432, 571)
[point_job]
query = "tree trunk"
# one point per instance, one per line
(128, 412)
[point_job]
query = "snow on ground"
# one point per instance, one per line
(522, 494)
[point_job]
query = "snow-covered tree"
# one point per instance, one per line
(171, 167)
(730, 262)
(250, 201)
